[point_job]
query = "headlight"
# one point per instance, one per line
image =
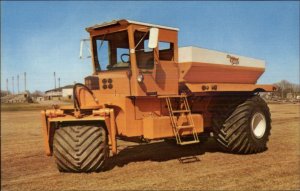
(140, 78)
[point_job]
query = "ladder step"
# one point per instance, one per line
(173, 96)
(185, 127)
(181, 111)
(184, 109)
(189, 142)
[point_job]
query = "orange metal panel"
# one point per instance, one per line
(111, 29)
(124, 108)
(45, 133)
(166, 35)
(110, 125)
(147, 106)
(167, 75)
(133, 127)
(218, 73)
(120, 84)
(160, 127)
(73, 118)
(113, 132)
(222, 87)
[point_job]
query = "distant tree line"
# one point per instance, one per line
(36, 93)
(4, 93)
(285, 87)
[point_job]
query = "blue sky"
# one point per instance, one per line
(42, 37)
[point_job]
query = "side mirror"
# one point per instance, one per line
(153, 38)
(85, 42)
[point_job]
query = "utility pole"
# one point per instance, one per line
(24, 81)
(12, 82)
(54, 80)
(58, 82)
(7, 85)
(18, 83)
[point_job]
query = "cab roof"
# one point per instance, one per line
(125, 21)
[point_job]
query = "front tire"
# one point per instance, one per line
(80, 148)
(245, 129)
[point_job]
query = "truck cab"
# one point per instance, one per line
(123, 63)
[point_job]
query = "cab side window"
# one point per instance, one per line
(166, 51)
(144, 55)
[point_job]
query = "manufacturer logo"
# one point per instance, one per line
(233, 60)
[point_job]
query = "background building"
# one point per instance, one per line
(61, 93)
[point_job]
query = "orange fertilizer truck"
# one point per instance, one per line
(144, 87)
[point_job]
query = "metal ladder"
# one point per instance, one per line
(184, 110)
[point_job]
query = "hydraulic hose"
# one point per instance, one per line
(75, 98)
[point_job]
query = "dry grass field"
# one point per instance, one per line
(154, 166)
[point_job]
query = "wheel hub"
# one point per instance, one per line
(258, 125)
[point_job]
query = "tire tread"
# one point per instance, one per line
(80, 148)
(231, 125)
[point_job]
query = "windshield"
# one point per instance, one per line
(111, 51)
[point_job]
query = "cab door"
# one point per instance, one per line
(158, 66)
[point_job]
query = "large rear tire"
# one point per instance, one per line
(80, 148)
(244, 129)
